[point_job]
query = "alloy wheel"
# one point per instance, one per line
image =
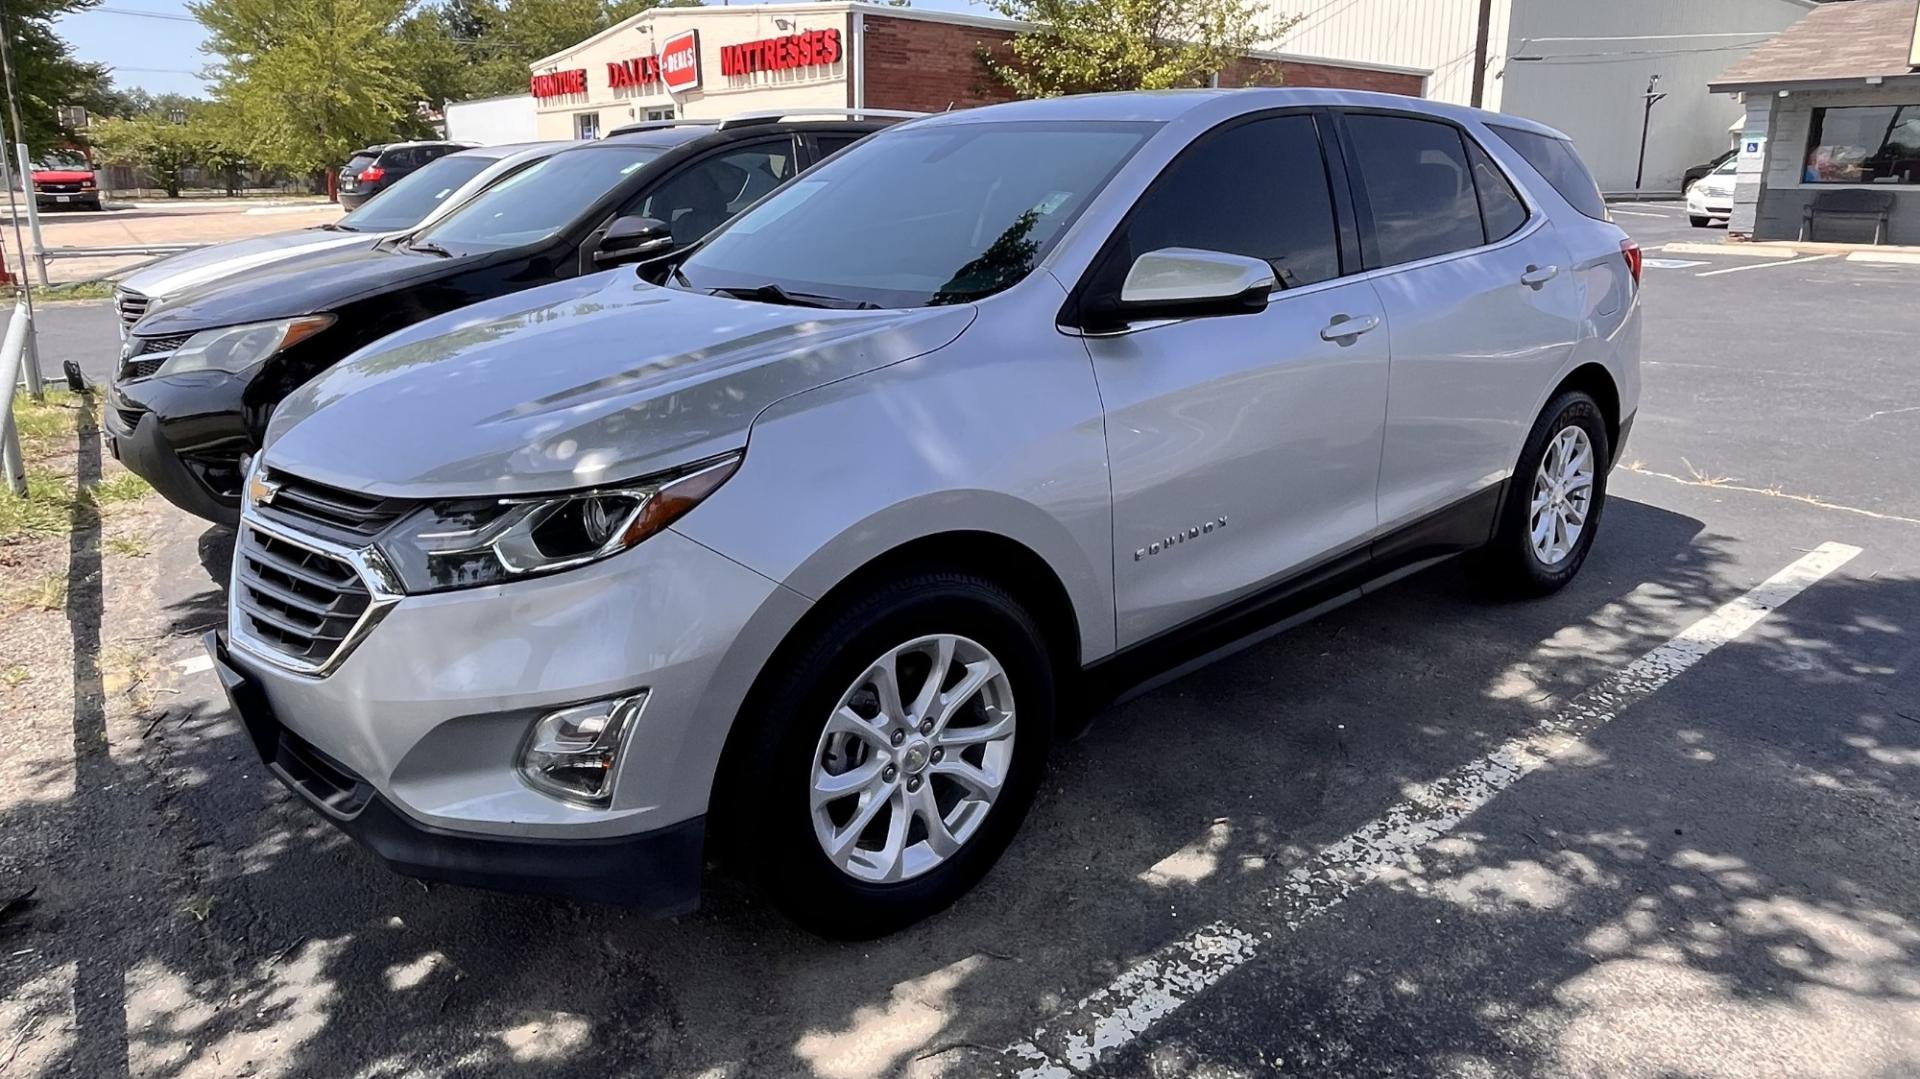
(1562, 495)
(912, 758)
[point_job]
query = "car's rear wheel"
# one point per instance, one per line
(893, 756)
(1553, 503)
(1698, 221)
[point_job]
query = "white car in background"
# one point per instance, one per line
(1710, 199)
(422, 198)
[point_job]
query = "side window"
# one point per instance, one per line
(701, 197)
(1500, 207)
(1257, 189)
(1556, 160)
(397, 159)
(1419, 185)
(825, 146)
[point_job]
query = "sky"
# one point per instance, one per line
(156, 44)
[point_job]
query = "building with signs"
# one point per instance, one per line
(1831, 145)
(715, 62)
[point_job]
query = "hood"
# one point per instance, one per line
(298, 286)
(193, 269)
(61, 176)
(594, 380)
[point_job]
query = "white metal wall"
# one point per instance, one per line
(1592, 89)
(492, 121)
(1435, 34)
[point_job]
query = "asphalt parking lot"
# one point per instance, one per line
(1664, 823)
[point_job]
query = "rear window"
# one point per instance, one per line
(357, 162)
(1557, 160)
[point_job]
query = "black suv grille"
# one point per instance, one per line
(133, 369)
(304, 502)
(301, 603)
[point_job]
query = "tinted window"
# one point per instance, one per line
(1556, 160)
(1500, 207)
(540, 201)
(1419, 186)
(828, 145)
(357, 162)
(1257, 189)
(399, 159)
(920, 215)
(403, 205)
(700, 198)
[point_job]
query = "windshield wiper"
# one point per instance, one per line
(430, 248)
(772, 293)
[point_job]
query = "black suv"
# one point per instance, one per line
(374, 169)
(227, 355)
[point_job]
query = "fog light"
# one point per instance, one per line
(571, 753)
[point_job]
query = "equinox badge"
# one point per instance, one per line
(1178, 538)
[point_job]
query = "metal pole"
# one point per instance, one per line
(32, 368)
(12, 462)
(1646, 121)
(26, 182)
(33, 214)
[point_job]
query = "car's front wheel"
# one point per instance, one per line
(893, 756)
(1553, 502)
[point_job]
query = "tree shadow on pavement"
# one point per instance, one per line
(308, 958)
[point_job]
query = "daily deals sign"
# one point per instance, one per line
(680, 61)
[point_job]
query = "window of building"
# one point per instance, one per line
(1419, 186)
(586, 125)
(659, 114)
(1864, 144)
(1256, 189)
(1555, 160)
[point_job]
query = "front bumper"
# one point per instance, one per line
(1699, 205)
(658, 870)
(196, 482)
(66, 200)
(427, 712)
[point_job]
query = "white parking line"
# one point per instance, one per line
(1764, 265)
(1163, 982)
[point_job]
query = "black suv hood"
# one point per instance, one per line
(303, 287)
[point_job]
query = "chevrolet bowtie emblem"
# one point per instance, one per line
(260, 490)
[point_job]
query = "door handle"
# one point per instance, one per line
(1347, 327)
(1536, 276)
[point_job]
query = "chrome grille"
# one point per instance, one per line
(147, 346)
(129, 305)
(301, 603)
(303, 502)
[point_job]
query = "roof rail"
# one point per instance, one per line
(655, 125)
(770, 116)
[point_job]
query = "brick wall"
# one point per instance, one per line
(1252, 72)
(917, 64)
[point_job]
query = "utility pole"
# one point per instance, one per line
(1653, 96)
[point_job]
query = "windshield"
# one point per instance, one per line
(917, 216)
(62, 160)
(538, 201)
(1728, 167)
(408, 202)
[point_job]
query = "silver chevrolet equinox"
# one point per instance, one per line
(810, 539)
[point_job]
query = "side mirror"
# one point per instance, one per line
(1185, 282)
(631, 239)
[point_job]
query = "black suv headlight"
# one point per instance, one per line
(239, 349)
(472, 542)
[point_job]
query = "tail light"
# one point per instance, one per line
(1632, 251)
(372, 173)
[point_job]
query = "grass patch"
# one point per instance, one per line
(47, 426)
(119, 487)
(15, 675)
(48, 592)
(128, 546)
(47, 508)
(79, 290)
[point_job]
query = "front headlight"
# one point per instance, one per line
(483, 541)
(239, 349)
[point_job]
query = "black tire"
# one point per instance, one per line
(764, 823)
(1508, 563)
(1699, 222)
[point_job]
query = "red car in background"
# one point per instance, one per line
(63, 179)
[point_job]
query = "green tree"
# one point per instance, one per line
(307, 82)
(164, 148)
(1086, 46)
(45, 73)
